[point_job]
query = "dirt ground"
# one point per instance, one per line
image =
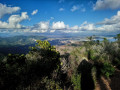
(112, 84)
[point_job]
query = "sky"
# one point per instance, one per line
(65, 16)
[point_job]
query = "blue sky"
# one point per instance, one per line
(68, 16)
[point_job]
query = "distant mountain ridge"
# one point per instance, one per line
(20, 40)
(18, 44)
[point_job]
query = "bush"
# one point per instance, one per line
(76, 80)
(107, 69)
(91, 55)
(22, 71)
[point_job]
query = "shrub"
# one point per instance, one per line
(107, 69)
(76, 80)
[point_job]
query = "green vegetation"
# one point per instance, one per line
(43, 68)
(107, 69)
(20, 71)
(76, 80)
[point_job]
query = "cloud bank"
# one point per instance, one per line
(111, 24)
(13, 22)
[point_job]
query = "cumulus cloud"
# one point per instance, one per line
(66, 29)
(74, 8)
(61, 9)
(34, 12)
(106, 4)
(7, 10)
(40, 27)
(87, 26)
(59, 25)
(14, 21)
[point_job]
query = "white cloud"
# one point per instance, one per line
(38, 31)
(4, 25)
(7, 10)
(14, 21)
(78, 7)
(40, 27)
(75, 7)
(43, 25)
(34, 12)
(114, 27)
(61, 1)
(106, 25)
(91, 27)
(87, 26)
(59, 25)
(105, 28)
(61, 9)
(111, 24)
(106, 4)
(113, 20)
(70, 31)
(52, 31)
(76, 27)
